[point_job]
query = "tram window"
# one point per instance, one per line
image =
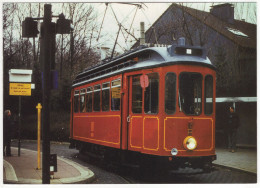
(190, 93)
(96, 106)
(208, 95)
(105, 96)
(115, 95)
(89, 99)
(170, 93)
(151, 94)
(82, 100)
(137, 93)
(76, 101)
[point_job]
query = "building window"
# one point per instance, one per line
(96, 106)
(151, 94)
(115, 95)
(89, 99)
(170, 93)
(208, 95)
(137, 93)
(105, 96)
(82, 100)
(190, 93)
(76, 101)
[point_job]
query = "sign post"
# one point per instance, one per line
(19, 86)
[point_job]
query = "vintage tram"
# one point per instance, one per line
(152, 104)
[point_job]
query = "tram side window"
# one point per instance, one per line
(151, 94)
(208, 95)
(115, 95)
(89, 99)
(105, 96)
(137, 93)
(76, 101)
(82, 100)
(96, 106)
(190, 93)
(170, 93)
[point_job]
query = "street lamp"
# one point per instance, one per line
(47, 56)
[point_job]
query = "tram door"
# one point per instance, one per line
(135, 117)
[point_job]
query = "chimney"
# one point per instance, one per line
(142, 34)
(224, 12)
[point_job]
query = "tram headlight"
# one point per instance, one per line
(174, 151)
(190, 143)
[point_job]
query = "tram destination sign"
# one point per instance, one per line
(20, 89)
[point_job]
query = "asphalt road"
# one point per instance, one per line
(115, 174)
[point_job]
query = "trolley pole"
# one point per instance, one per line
(46, 93)
(39, 108)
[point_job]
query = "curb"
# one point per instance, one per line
(86, 175)
(35, 141)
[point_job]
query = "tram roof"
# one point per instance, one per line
(157, 56)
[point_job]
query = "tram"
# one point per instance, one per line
(151, 105)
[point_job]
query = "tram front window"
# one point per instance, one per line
(190, 93)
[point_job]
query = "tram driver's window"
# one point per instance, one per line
(76, 101)
(82, 100)
(208, 95)
(190, 93)
(115, 95)
(89, 99)
(96, 106)
(151, 94)
(137, 93)
(105, 96)
(170, 93)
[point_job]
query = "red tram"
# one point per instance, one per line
(150, 104)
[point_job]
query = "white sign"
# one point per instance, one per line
(20, 75)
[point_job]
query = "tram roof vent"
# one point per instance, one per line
(196, 51)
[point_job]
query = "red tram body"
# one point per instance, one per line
(156, 103)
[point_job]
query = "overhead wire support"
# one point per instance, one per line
(116, 41)
(117, 20)
(102, 22)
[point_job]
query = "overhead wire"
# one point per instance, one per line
(131, 23)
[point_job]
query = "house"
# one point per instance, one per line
(230, 45)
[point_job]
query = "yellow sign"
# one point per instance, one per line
(20, 89)
(116, 92)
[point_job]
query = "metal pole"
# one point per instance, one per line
(142, 33)
(19, 129)
(39, 107)
(46, 94)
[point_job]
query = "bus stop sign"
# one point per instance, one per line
(144, 81)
